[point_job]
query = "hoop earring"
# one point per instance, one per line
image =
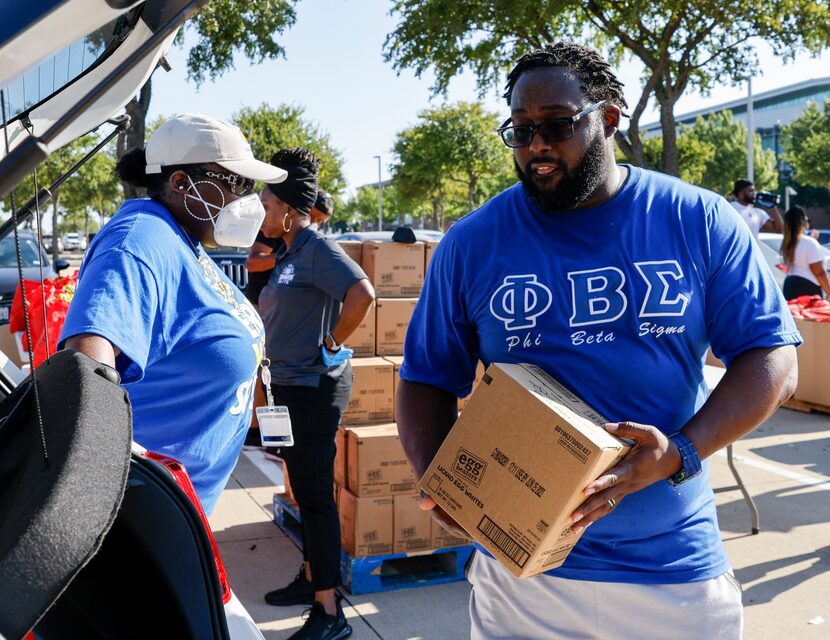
(288, 228)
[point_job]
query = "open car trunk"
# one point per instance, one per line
(154, 576)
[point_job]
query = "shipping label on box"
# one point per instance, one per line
(362, 341)
(413, 529)
(366, 524)
(377, 464)
(393, 316)
(372, 399)
(395, 269)
(462, 402)
(352, 248)
(513, 467)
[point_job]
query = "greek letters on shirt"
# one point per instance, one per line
(598, 297)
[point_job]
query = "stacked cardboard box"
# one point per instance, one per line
(813, 363)
(377, 489)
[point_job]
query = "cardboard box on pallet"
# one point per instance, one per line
(362, 341)
(393, 316)
(396, 361)
(395, 269)
(366, 527)
(377, 465)
(342, 443)
(813, 363)
(513, 467)
(462, 402)
(413, 531)
(372, 401)
(429, 247)
(352, 248)
(441, 538)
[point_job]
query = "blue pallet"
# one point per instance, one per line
(389, 572)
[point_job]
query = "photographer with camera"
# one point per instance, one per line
(757, 219)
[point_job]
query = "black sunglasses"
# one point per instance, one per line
(553, 130)
(239, 186)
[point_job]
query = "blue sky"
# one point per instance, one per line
(334, 68)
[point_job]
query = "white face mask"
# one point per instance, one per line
(235, 224)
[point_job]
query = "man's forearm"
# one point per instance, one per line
(425, 416)
(755, 385)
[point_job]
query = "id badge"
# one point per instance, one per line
(275, 426)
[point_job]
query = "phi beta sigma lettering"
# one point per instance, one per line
(598, 296)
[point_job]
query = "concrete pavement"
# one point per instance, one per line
(785, 570)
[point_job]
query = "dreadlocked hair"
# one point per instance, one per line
(599, 82)
(296, 157)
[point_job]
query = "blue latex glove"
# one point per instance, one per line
(337, 358)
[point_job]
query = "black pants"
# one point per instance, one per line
(315, 415)
(795, 286)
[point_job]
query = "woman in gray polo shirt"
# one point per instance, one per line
(305, 327)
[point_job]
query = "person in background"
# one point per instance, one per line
(263, 253)
(311, 305)
(804, 258)
(152, 304)
(756, 219)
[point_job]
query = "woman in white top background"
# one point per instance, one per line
(803, 257)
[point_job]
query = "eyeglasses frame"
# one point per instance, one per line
(534, 128)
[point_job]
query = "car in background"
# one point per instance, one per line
(770, 245)
(232, 261)
(31, 257)
(73, 241)
(46, 241)
(422, 235)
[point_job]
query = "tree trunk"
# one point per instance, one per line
(435, 204)
(668, 124)
(133, 137)
(471, 192)
(56, 196)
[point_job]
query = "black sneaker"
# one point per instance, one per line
(298, 591)
(322, 626)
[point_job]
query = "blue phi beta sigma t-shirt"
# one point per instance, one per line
(618, 302)
(190, 342)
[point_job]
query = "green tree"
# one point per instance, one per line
(95, 189)
(362, 207)
(222, 28)
(712, 154)
(268, 129)
(451, 153)
(47, 172)
(806, 143)
(682, 45)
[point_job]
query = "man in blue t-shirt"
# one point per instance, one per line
(615, 280)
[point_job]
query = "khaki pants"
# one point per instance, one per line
(548, 608)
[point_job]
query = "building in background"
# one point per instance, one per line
(771, 110)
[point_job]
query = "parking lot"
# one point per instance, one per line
(785, 570)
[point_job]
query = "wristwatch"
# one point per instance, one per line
(334, 348)
(690, 466)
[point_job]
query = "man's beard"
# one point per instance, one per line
(574, 186)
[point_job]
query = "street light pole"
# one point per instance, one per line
(380, 197)
(750, 134)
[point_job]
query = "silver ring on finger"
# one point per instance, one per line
(612, 503)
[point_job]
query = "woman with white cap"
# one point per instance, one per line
(151, 304)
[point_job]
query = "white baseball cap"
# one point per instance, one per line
(193, 138)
